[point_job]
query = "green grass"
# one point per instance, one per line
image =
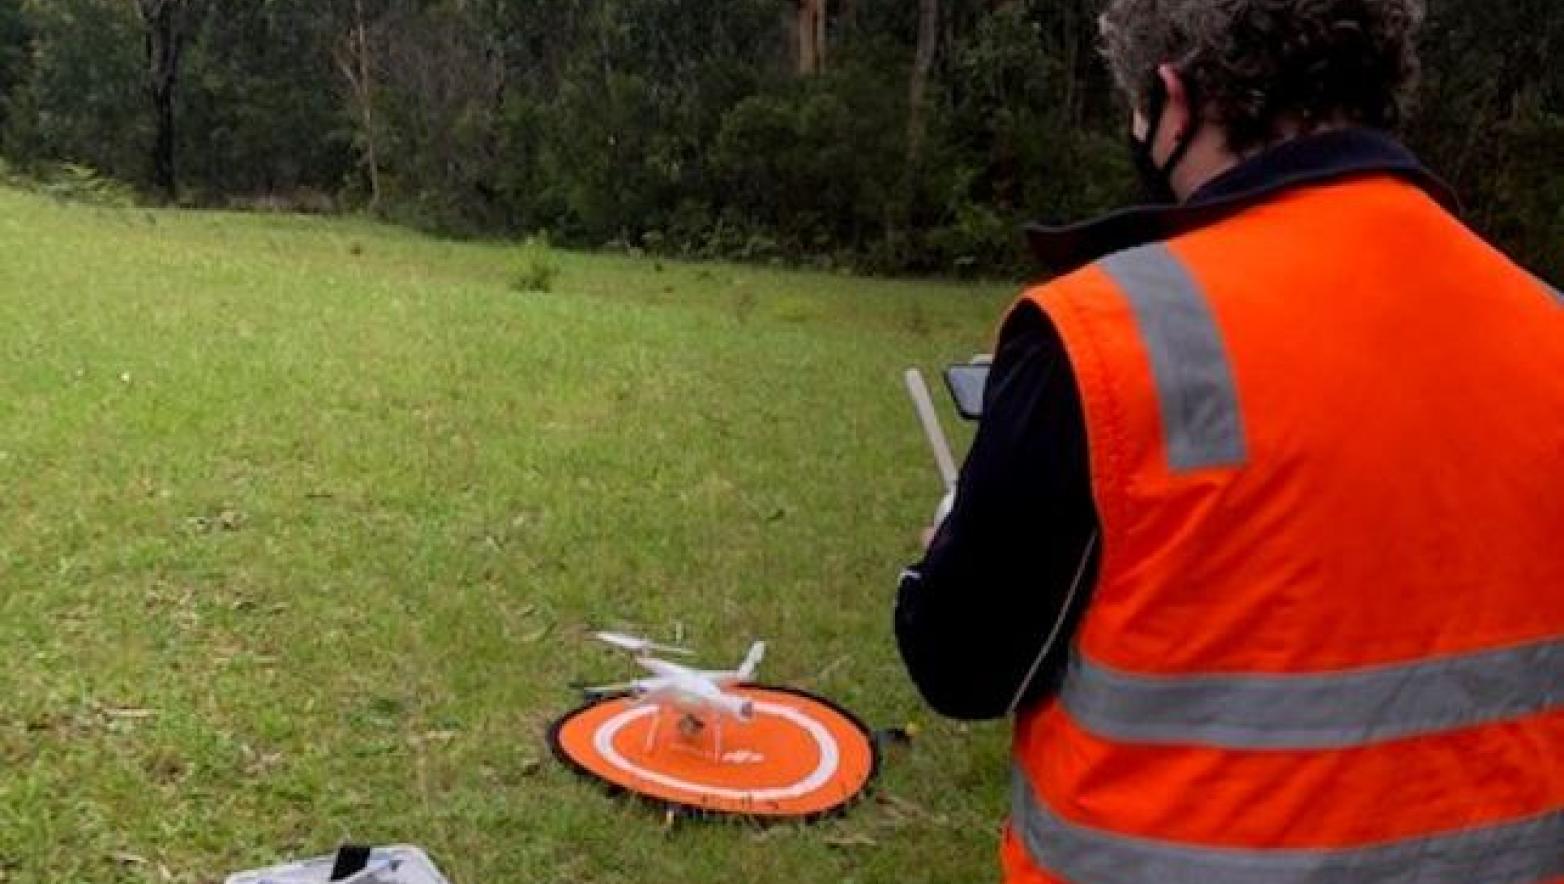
(305, 520)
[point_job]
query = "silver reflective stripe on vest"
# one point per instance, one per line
(1197, 398)
(1523, 852)
(1317, 711)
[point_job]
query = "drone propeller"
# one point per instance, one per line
(594, 692)
(639, 687)
(637, 645)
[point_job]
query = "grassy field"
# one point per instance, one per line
(305, 521)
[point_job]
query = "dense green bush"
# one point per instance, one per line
(81, 99)
(75, 183)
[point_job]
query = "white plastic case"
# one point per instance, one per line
(398, 864)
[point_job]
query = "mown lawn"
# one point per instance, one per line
(305, 521)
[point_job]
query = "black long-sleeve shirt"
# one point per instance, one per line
(973, 617)
(1010, 571)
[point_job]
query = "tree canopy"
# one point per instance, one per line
(879, 134)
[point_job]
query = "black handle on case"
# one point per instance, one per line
(351, 859)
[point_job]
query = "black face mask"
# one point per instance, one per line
(1157, 181)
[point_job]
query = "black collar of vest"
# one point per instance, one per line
(1301, 162)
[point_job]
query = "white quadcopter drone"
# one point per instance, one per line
(699, 697)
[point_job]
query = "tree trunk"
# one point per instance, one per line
(918, 86)
(1072, 64)
(820, 41)
(356, 63)
(367, 80)
(809, 32)
(847, 17)
(164, 40)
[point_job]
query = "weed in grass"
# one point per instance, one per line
(536, 269)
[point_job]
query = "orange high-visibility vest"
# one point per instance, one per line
(1327, 639)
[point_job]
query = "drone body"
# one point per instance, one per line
(698, 698)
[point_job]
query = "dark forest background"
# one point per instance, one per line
(881, 135)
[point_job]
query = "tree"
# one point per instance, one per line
(261, 112)
(14, 39)
(166, 24)
(82, 97)
(890, 134)
(356, 60)
(918, 84)
(809, 35)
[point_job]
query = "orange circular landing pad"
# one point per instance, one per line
(800, 757)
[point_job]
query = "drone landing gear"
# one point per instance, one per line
(690, 727)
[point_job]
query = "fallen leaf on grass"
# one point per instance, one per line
(433, 737)
(227, 520)
(259, 763)
(830, 668)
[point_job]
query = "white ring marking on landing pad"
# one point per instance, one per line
(830, 757)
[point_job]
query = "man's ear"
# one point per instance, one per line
(1179, 116)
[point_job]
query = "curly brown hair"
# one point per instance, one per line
(1258, 64)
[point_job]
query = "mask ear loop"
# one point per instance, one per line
(1156, 107)
(1156, 103)
(1187, 140)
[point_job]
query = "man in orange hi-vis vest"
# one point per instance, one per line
(1261, 538)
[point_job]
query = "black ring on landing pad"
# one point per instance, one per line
(684, 810)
